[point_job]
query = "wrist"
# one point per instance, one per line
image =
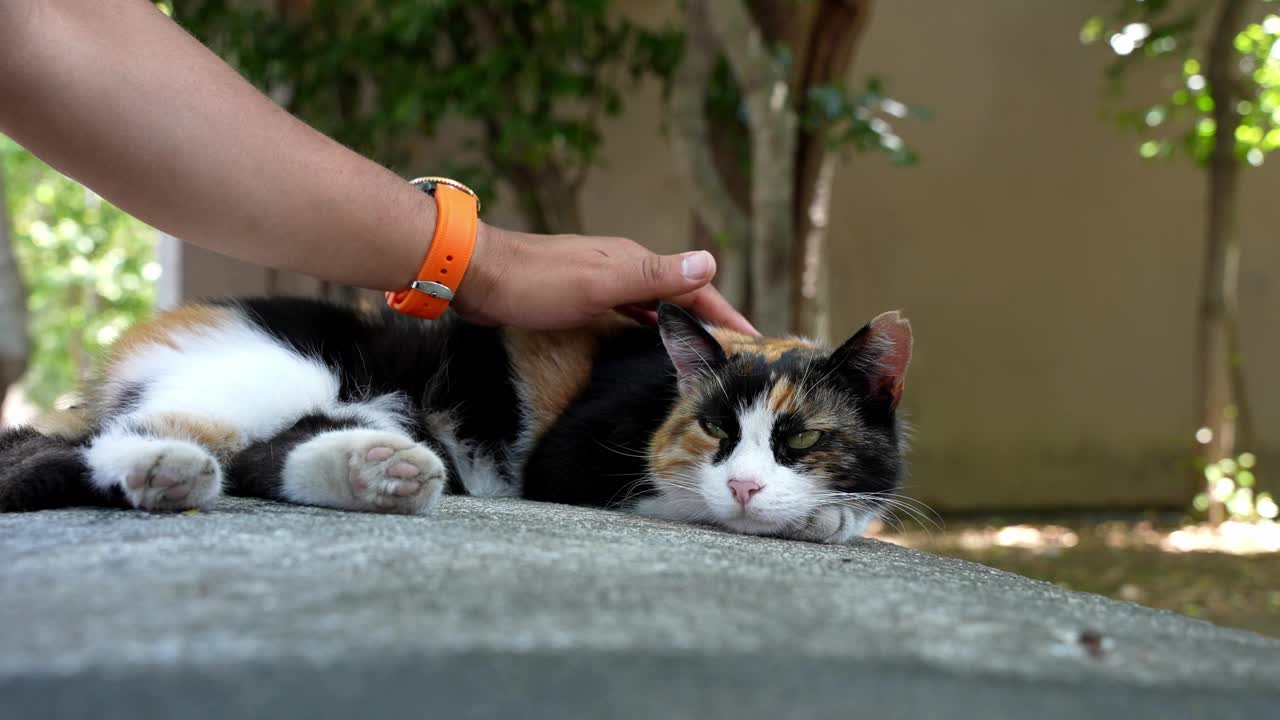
(423, 226)
(488, 265)
(449, 251)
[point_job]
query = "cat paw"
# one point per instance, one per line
(394, 478)
(158, 473)
(367, 470)
(835, 525)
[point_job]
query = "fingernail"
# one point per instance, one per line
(696, 265)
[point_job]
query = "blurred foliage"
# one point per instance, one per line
(1179, 120)
(863, 119)
(534, 77)
(89, 268)
(1231, 482)
(857, 119)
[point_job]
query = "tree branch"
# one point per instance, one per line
(690, 139)
(743, 45)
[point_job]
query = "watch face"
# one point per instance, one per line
(428, 183)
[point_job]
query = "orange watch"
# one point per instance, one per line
(457, 221)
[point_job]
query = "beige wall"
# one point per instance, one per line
(1050, 274)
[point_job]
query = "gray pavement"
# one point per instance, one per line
(503, 608)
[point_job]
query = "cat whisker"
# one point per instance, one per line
(883, 507)
(625, 452)
(632, 485)
(862, 505)
(891, 509)
(916, 506)
(690, 486)
(629, 491)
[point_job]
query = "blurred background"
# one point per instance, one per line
(1071, 201)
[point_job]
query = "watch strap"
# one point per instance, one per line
(448, 256)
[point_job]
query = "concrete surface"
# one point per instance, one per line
(502, 608)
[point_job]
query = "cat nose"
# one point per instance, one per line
(744, 490)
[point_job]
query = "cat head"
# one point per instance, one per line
(780, 436)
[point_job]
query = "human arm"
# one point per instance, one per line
(116, 95)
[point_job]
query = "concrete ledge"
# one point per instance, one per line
(509, 608)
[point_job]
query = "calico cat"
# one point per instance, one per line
(305, 402)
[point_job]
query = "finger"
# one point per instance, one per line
(642, 313)
(708, 304)
(645, 277)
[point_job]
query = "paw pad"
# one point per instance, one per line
(171, 475)
(365, 470)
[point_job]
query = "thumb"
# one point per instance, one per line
(655, 277)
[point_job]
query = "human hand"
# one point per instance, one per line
(562, 281)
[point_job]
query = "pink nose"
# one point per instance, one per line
(744, 490)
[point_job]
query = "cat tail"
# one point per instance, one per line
(41, 470)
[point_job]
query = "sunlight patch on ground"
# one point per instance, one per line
(1234, 538)
(1027, 537)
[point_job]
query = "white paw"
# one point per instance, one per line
(369, 470)
(157, 473)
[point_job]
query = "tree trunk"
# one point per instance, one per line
(813, 288)
(547, 200)
(780, 210)
(15, 343)
(773, 265)
(824, 55)
(720, 192)
(773, 125)
(1218, 360)
(732, 262)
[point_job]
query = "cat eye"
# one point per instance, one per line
(715, 430)
(804, 440)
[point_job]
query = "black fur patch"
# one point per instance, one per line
(41, 472)
(595, 452)
(443, 365)
(128, 400)
(256, 470)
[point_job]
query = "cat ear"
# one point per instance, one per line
(874, 361)
(692, 349)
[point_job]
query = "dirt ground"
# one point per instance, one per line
(1228, 575)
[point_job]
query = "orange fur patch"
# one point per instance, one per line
(677, 421)
(63, 423)
(161, 330)
(554, 367)
(771, 349)
(219, 438)
(679, 443)
(782, 396)
(697, 443)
